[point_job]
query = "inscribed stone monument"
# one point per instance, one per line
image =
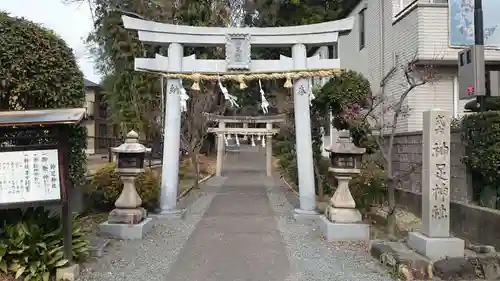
(436, 174)
(434, 241)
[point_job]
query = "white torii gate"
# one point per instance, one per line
(238, 42)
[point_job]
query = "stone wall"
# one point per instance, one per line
(407, 162)
(467, 221)
(473, 223)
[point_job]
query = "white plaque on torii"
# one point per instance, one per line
(238, 52)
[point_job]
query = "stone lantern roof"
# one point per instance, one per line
(344, 145)
(131, 145)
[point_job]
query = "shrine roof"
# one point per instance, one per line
(41, 117)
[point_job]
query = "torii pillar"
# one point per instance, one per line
(171, 138)
(303, 139)
(238, 42)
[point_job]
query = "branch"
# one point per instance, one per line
(414, 76)
(373, 106)
(195, 121)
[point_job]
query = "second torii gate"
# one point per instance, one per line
(237, 42)
(266, 132)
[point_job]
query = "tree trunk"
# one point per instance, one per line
(391, 184)
(5, 102)
(321, 190)
(196, 168)
(391, 215)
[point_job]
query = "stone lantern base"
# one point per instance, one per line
(128, 220)
(338, 231)
(342, 221)
(127, 231)
(127, 223)
(127, 216)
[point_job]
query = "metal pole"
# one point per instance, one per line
(478, 22)
(479, 40)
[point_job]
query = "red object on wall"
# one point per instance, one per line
(470, 90)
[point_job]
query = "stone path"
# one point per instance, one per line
(239, 227)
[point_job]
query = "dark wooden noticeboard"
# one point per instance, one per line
(33, 162)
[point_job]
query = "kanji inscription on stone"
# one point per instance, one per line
(436, 174)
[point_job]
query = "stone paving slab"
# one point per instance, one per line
(237, 239)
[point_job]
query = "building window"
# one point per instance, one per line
(102, 136)
(333, 51)
(103, 111)
(362, 33)
(103, 130)
(398, 6)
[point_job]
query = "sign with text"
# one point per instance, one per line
(29, 176)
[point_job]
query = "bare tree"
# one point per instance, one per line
(195, 123)
(384, 132)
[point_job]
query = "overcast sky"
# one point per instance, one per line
(72, 22)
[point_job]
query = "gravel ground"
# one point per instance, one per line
(311, 257)
(150, 259)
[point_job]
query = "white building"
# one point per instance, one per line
(388, 33)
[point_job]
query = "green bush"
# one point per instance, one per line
(345, 92)
(284, 150)
(105, 187)
(343, 95)
(369, 186)
(33, 246)
(39, 70)
(481, 137)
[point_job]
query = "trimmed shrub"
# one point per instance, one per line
(481, 137)
(105, 187)
(39, 70)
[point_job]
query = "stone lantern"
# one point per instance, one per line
(128, 220)
(342, 221)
